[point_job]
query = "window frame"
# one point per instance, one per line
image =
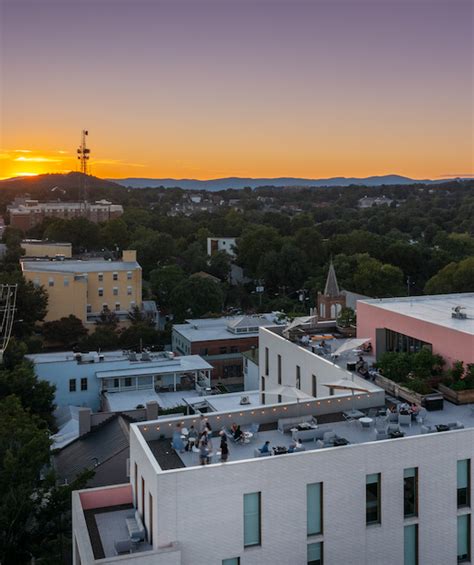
(72, 385)
(467, 488)
(258, 514)
(377, 505)
(406, 482)
(84, 384)
(319, 508)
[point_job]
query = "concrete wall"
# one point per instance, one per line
(46, 249)
(202, 507)
(451, 344)
(251, 376)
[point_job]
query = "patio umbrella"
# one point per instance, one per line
(346, 384)
(349, 345)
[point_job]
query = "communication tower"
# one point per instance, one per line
(83, 154)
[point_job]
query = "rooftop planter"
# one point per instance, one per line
(457, 396)
(458, 386)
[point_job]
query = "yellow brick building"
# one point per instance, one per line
(84, 288)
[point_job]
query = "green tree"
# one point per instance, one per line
(153, 249)
(455, 277)
(35, 395)
(255, 243)
(219, 265)
(65, 331)
(163, 280)
(80, 232)
(377, 279)
(195, 297)
(31, 303)
(115, 234)
(139, 334)
(346, 317)
(104, 337)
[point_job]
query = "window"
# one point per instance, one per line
(36, 282)
(314, 386)
(89, 308)
(117, 306)
(66, 281)
(222, 350)
(115, 276)
(150, 519)
(279, 369)
(129, 275)
(315, 553)
(252, 527)
(84, 383)
(129, 290)
(128, 381)
(51, 282)
(266, 361)
(372, 499)
(204, 351)
(115, 291)
(410, 492)
(234, 349)
(410, 545)
(232, 561)
(464, 538)
(116, 383)
(72, 385)
(464, 483)
(101, 292)
(298, 377)
(314, 508)
(100, 277)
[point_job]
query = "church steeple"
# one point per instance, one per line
(331, 288)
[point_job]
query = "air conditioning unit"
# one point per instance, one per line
(244, 399)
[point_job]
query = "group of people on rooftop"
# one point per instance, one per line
(201, 439)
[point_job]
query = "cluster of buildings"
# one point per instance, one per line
(26, 213)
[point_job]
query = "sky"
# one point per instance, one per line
(259, 88)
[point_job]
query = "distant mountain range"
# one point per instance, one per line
(239, 183)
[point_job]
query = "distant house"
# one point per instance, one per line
(227, 244)
(369, 201)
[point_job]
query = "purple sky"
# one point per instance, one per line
(258, 88)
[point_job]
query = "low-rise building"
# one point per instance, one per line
(227, 244)
(443, 323)
(27, 213)
(221, 341)
(118, 381)
(86, 288)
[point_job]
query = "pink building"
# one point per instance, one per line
(444, 323)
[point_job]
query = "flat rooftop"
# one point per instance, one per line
(211, 329)
(435, 309)
(353, 432)
(77, 266)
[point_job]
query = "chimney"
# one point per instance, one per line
(129, 255)
(84, 421)
(152, 410)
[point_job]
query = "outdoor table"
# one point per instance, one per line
(366, 421)
(394, 435)
(280, 450)
(442, 428)
(306, 426)
(247, 436)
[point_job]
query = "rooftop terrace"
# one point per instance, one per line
(352, 431)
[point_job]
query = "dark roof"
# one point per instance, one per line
(105, 449)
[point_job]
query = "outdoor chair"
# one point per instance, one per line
(422, 416)
(381, 434)
(392, 428)
(254, 429)
(372, 413)
(123, 546)
(329, 438)
(404, 419)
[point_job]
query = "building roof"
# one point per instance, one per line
(331, 288)
(210, 329)
(175, 365)
(434, 309)
(78, 266)
(96, 449)
(44, 242)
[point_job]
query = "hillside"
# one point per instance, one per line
(239, 183)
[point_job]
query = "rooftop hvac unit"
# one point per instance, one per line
(245, 400)
(133, 356)
(146, 356)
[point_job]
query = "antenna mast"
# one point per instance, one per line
(83, 154)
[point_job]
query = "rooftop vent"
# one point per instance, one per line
(456, 313)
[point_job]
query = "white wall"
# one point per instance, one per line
(251, 381)
(202, 507)
(310, 364)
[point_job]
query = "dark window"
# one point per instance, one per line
(266, 361)
(279, 369)
(115, 276)
(116, 383)
(314, 386)
(222, 350)
(128, 381)
(410, 492)
(84, 383)
(72, 385)
(252, 519)
(298, 377)
(234, 349)
(315, 553)
(372, 499)
(204, 351)
(464, 482)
